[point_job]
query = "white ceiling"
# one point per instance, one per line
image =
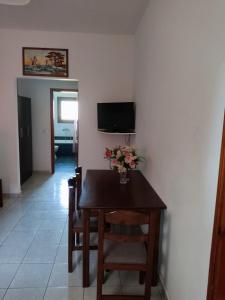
(97, 16)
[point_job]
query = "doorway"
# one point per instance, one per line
(38, 90)
(216, 283)
(64, 129)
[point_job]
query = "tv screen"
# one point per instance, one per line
(117, 117)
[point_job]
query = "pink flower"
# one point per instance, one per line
(132, 164)
(108, 153)
(128, 159)
(118, 153)
(114, 162)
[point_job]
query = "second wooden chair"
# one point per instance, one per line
(124, 251)
(75, 220)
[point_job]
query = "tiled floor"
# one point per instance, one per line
(65, 163)
(33, 247)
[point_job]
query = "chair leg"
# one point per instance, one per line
(73, 240)
(141, 277)
(147, 294)
(103, 276)
(100, 281)
(70, 255)
(77, 238)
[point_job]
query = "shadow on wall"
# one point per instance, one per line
(164, 246)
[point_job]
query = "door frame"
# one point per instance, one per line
(218, 210)
(52, 90)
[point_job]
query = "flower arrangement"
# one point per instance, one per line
(122, 158)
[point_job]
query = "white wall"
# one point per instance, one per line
(103, 64)
(39, 92)
(180, 93)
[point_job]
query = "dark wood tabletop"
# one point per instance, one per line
(102, 190)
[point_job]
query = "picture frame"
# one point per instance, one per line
(50, 62)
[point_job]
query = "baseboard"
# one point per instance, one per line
(163, 291)
(42, 172)
(11, 195)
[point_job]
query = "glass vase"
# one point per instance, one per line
(123, 177)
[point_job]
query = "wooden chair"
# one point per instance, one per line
(94, 212)
(124, 251)
(75, 221)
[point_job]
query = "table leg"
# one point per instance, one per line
(86, 234)
(156, 221)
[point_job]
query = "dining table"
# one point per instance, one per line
(102, 190)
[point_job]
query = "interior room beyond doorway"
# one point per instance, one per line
(65, 115)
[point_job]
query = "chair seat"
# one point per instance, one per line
(78, 222)
(127, 253)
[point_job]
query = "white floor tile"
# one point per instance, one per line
(2, 293)
(12, 254)
(62, 255)
(46, 205)
(68, 293)
(20, 206)
(45, 215)
(8, 221)
(91, 292)
(41, 253)
(28, 223)
(8, 201)
(22, 237)
(129, 278)
(7, 273)
(61, 278)
(32, 275)
(64, 239)
(3, 236)
(25, 294)
(48, 237)
(112, 278)
(53, 224)
(139, 290)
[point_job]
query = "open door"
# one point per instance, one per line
(216, 285)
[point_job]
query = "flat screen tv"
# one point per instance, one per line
(116, 117)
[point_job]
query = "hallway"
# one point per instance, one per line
(65, 164)
(33, 247)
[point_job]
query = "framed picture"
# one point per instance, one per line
(49, 62)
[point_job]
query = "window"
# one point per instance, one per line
(67, 110)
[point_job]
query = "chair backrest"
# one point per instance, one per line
(128, 221)
(78, 172)
(72, 184)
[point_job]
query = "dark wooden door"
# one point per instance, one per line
(216, 286)
(25, 138)
(219, 286)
